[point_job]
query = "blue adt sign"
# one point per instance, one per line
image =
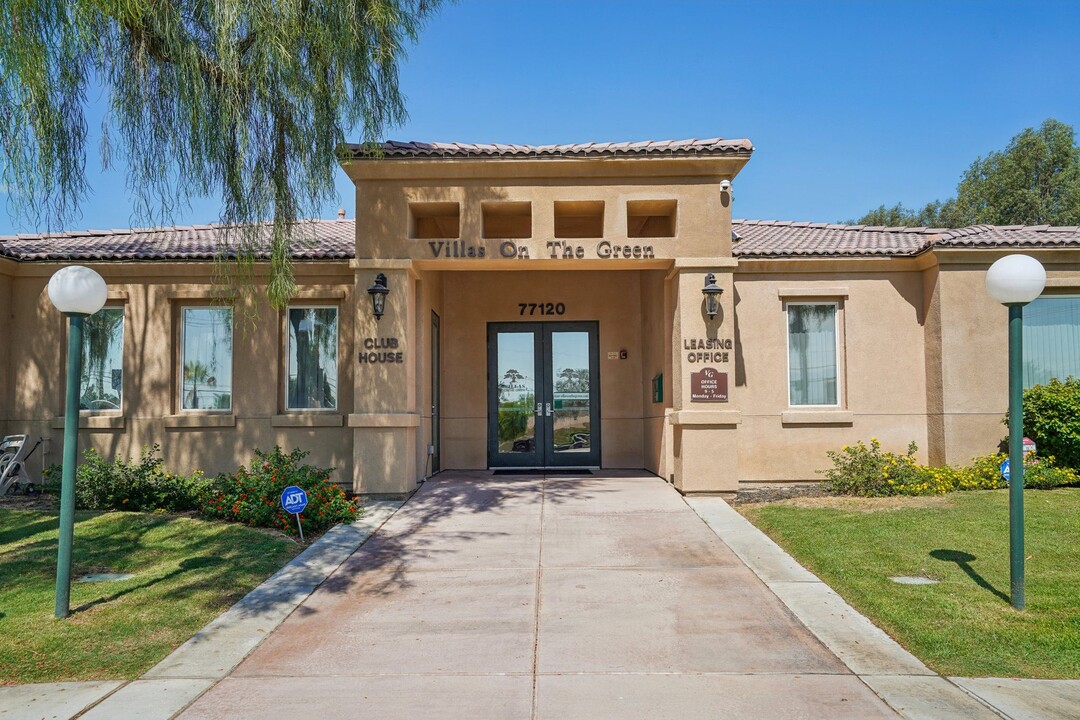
(1005, 470)
(293, 500)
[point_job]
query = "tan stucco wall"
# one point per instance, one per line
(655, 360)
(971, 347)
(882, 383)
(151, 295)
(473, 299)
(703, 225)
(923, 358)
(922, 346)
(6, 320)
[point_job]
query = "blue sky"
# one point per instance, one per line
(849, 104)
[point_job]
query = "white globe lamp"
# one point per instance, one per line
(1016, 279)
(77, 290)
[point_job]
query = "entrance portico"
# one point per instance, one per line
(584, 266)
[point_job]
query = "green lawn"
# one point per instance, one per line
(964, 625)
(186, 573)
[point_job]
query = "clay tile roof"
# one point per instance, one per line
(453, 150)
(774, 238)
(320, 240)
(335, 240)
(1011, 235)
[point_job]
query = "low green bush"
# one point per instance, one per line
(1052, 420)
(252, 494)
(869, 471)
(1045, 474)
(141, 485)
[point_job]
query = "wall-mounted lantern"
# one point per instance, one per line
(378, 293)
(712, 293)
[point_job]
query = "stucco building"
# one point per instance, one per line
(544, 307)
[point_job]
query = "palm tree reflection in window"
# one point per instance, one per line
(313, 347)
(206, 370)
(196, 374)
(103, 342)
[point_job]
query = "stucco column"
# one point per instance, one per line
(704, 417)
(385, 419)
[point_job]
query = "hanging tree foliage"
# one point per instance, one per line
(249, 99)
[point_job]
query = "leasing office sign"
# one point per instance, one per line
(709, 385)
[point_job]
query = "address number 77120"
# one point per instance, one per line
(541, 308)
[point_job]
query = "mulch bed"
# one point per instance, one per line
(777, 493)
(36, 501)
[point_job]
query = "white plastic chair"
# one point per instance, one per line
(14, 452)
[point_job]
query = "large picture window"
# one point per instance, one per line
(206, 347)
(312, 355)
(812, 351)
(102, 381)
(1051, 339)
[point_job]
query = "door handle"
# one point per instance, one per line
(540, 409)
(549, 409)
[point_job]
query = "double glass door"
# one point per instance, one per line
(543, 395)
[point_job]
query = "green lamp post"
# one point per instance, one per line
(77, 292)
(1014, 281)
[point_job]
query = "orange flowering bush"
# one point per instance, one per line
(252, 494)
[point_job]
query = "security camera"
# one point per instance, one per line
(725, 186)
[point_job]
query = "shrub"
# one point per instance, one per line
(252, 495)
(1044, 474)
(1052, 420)
(867, 470)
(137, 485)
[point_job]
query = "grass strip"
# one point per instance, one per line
(185, 573)
(964, 624)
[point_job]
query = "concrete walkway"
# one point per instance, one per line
(552, 597)
(543, 598)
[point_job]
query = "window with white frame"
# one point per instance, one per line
(102, 379)
(311, 353)
(812, 353)
(206, 348)
(1051, 339)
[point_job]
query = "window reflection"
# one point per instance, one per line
(1051, 339)
(101, 383)
(206, 358)
(812, 368)
(312, 353)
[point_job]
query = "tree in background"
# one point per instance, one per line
(1034, 181)
(249, 99)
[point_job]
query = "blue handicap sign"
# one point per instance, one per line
(294, 500)
(1005, 470)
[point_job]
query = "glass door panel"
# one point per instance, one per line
(571, 380)
(514, 435)
(436, 394)
(543, 394)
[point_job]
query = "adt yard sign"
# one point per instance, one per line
(293, 501)
(1005, 470)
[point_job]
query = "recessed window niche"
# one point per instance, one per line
(505, 219)
(434, 220)
(650, 218)
(579, 219)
